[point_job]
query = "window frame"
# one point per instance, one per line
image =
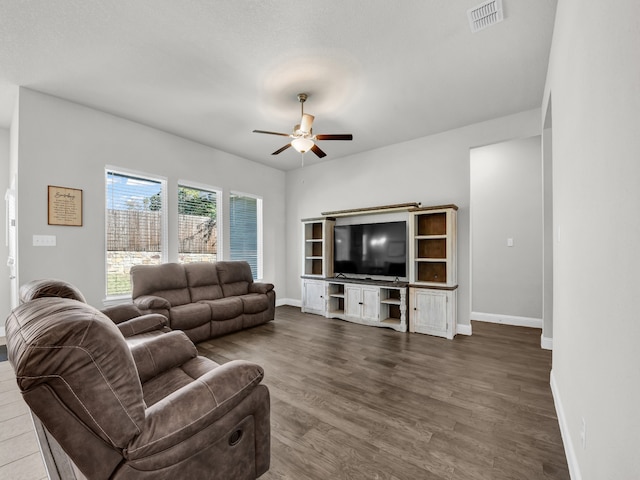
(164, 233)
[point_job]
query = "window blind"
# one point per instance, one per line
(134, 225)
(197, 224)
(244, 212)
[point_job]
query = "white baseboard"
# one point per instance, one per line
(3, 332)
(507, 319)
(463, 329)
(546, 343)
(569, 451)
(288, 301)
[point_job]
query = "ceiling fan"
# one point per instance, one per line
(303, 136)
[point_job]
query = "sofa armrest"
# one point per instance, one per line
(257, 287)
(209, 398)
(151, 302)
(122, 312)
(161, 353)
(142, 324)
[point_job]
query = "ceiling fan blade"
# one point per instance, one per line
(271, 133)
(315, 149)
(306, 122)
(337, 136)
(280, 150)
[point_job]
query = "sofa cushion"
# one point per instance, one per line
(202, 278)
(223, 327)
(224, 308)
(200, 333)
(168, 280)
(185, 317)
(235, 277)
(254, 303)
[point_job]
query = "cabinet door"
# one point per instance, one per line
(353, 301)
(313, 297)
(430, 312)
(370, 304)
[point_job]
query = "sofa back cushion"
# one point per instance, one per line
(167, 280)
(235, 277)
(49, 288)
(203, 281)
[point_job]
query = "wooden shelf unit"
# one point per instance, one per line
(336, 299)
(432, 247)
(433, 279)
(317, 255)
(393, 305)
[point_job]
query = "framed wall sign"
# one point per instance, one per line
(65, 206)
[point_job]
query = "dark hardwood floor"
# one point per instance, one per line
(356, 402)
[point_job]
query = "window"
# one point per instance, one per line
(197, 224)
(135, 225)
(245, 231)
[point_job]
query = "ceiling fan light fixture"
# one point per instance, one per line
(302, 144)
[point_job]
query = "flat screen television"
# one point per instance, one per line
(374, 249)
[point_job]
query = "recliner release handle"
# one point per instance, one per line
(235, 438)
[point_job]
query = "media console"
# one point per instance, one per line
(368, 302)
(427, 303)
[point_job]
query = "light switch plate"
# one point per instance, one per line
(44, 240)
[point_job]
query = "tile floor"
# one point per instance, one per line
(20, 457)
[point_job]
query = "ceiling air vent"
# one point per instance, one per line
(485, 15)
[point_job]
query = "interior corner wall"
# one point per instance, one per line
(594, 81)
(69, 145)
(506, 204)
(5, 182)
(433, 170)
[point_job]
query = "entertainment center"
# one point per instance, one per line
(399, 274)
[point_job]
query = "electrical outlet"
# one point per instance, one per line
(583, 434)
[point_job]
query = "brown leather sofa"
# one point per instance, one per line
(132, 323)
(204, 299)
(150, 409)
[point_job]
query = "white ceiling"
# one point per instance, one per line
(213, 71)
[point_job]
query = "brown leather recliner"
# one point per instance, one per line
(152, 410)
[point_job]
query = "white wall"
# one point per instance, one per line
(433, 170)
(594, 82)
(66, 144)
(5, 303)
(506, 203)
